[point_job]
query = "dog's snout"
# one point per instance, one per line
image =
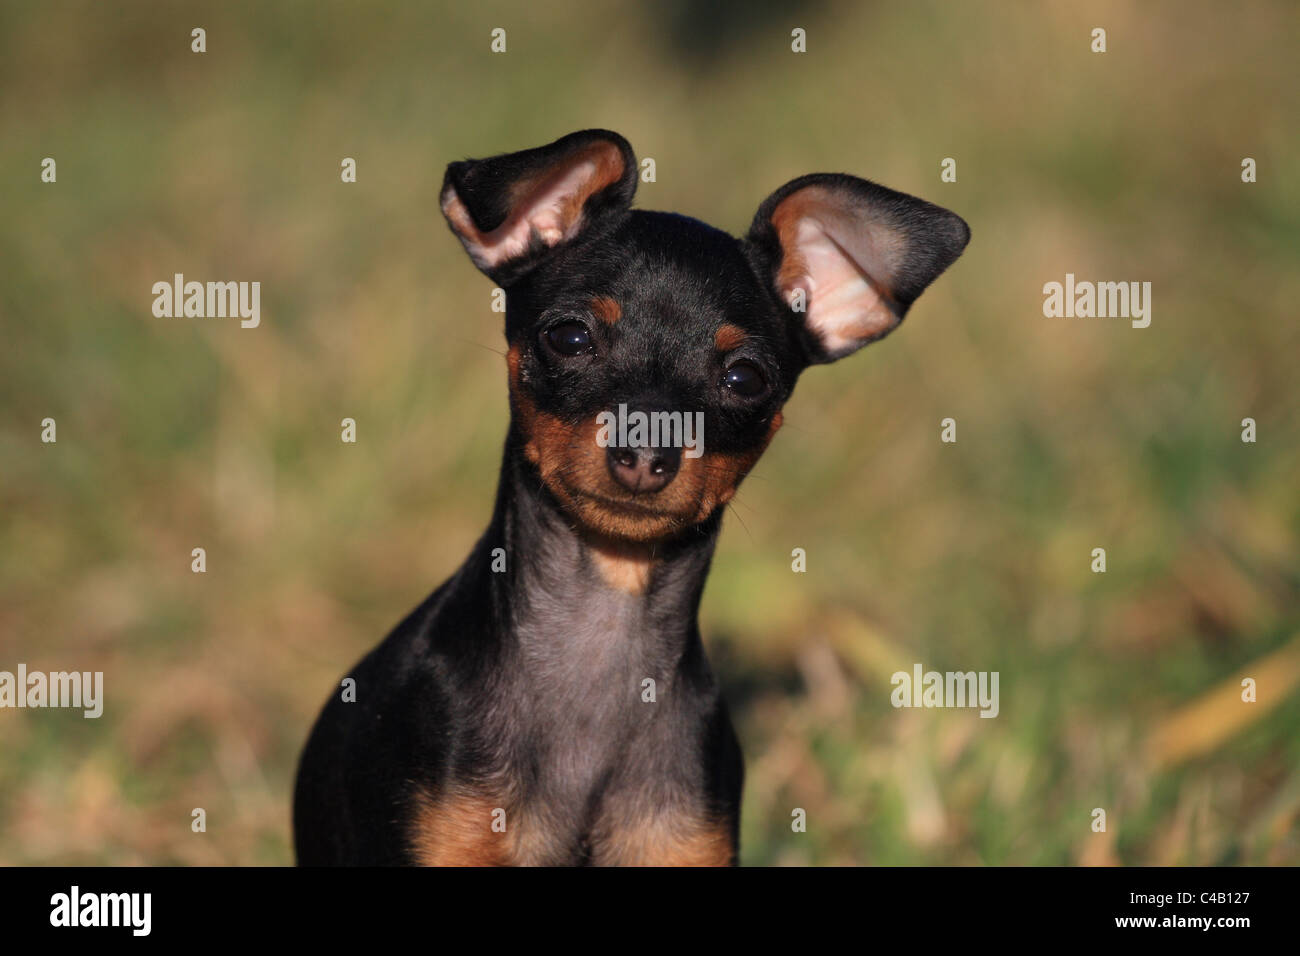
(643, 470)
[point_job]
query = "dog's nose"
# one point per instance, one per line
(643, 470)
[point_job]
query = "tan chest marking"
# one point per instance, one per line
(668, 839)
(623, 565)
(457, 830)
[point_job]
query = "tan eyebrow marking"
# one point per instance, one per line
(729, 337)
(606, 309)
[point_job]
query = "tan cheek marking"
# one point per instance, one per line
(571, 463)
(724, 473)
(525, 411)
(563, 450)
(456, 830)
(554, 446)
(729, 337)
(606, 309)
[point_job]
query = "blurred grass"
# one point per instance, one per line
(1072, 434)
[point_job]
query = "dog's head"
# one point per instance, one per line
(624, 325)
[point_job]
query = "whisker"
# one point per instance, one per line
(742, 523)
(489, 348)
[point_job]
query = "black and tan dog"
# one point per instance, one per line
(506, 720)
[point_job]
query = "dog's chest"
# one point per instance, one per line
(601, 760)
(589, 743)
(592, 686)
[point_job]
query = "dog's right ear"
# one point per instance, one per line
(511, 210)
(848, 257)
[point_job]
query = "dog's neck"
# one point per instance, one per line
(567, 588)
(580, 673)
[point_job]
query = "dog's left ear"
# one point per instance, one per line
(510, 211)
(848, 257)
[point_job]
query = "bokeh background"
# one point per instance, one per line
(1118, 690)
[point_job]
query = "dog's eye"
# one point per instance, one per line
(568, 338)
(745, 379)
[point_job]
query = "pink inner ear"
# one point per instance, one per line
(841, 262)
(550, 206)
